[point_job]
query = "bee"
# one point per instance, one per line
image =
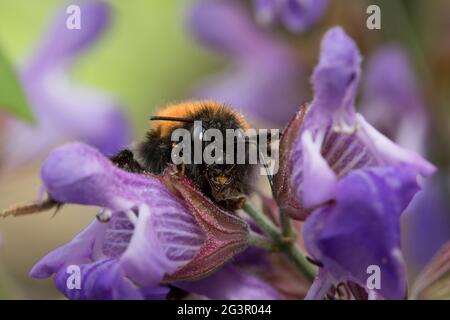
(226, 184)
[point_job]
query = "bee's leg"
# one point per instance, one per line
(31, 207)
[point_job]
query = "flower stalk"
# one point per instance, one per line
(277, 241)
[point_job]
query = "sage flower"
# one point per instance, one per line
(160, 230)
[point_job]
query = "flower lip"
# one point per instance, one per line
(335, 78)
(355, 233)
(66, 159)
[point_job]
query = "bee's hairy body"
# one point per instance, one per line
(226, 184)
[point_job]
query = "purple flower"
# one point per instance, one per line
(351, 181)
(263, 74)
(63, 109)
(334, 139)
(392, 98)
(362, 229)
(160, 229)
(296, 15)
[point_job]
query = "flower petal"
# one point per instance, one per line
(390, 153)
(320, 287)
(79, 250)
(314, 171)
(102, 280)
(230, 283)
(61, 44)
(362, 228)
(336, 79)
(77, 173)
(165, 239)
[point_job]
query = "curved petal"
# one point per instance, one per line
(60, 44)
(78, 173)
(230, 283)
(388, 152)
(362, 228)
(79, 250)
(312, 170)
(166, 238)
(101, 280)
(320, 287)
(335, 79)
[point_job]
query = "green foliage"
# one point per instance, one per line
(12, 96)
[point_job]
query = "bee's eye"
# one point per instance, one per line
(198, 133)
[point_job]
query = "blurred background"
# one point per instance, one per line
(131, 57)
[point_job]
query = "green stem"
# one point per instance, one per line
(286, 226)
(278, 240)
(266, 225)
(295, 255)
(262, 242)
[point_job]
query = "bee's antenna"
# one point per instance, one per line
(162, 118)
(30, 208)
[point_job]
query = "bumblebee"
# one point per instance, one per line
(226, 184)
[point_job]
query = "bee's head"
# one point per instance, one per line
(226, 185)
